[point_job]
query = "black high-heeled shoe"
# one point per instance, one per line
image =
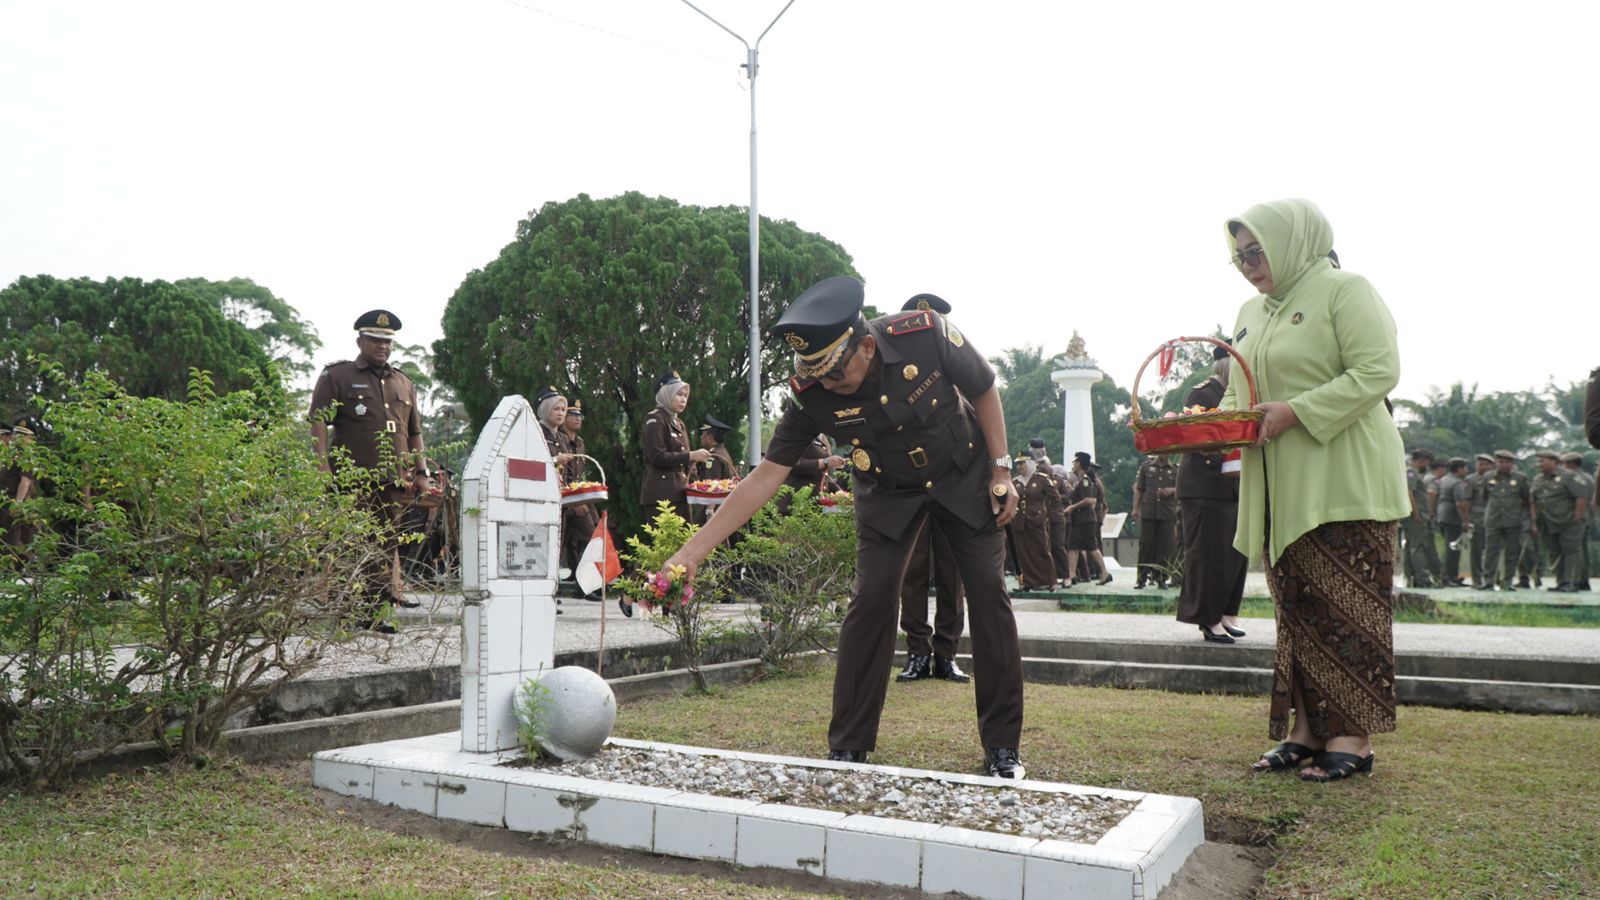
(1339, 766)
(1215, 638)
(1236, 632)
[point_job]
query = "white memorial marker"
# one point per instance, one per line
(511, 502)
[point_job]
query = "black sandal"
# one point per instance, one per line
(1338, 766)
(1287, 755)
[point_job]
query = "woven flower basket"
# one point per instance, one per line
(586, 491)
(1199, 432)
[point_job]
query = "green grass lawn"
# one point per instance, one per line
(1509, 614)
(1463, 804)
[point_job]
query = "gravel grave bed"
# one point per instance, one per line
(1019, 811)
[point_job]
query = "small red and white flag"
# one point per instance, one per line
(599, 564)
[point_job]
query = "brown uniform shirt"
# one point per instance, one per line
(582, 515)
(720, 465)
(371, 407)
(1154, 475)
(1036, 500)
(910, 433)
(664, 443)
(808, 470)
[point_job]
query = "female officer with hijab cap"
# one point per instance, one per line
(1320, 491)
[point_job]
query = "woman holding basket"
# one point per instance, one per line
(1321, 488)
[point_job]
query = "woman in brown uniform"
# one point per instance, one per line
(1036, 494)
(1083, 517)
(664, 443)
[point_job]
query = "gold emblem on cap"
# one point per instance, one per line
(383, 320)
(796, 341)
(910, 371)
(860, 458)
(922, 304)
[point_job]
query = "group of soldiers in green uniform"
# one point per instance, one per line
(1508, 524)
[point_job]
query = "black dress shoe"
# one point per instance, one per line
(1236, 632)
(949, 671)
(918, 667)
(625, 606)
(405, 603)
(855, 756)
(1215, 638)
(1003, 762)
(378, 627)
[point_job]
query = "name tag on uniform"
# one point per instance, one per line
(358, 385)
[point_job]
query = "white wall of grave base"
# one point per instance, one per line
(433, 776)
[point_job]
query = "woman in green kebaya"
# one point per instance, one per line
(1322, 488)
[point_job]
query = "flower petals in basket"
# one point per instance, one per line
(710, 491)
(837, 501)
(1196, 430)
(583, 492)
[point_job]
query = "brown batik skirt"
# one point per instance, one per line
(1334, 589)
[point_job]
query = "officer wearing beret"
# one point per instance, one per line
(916, 404)
(1422, 557)
(1478, 481)
(1453, 510)
(931, 651)
(1572, 464)
(664, 444)
(372, 408)
(1508, 498)
(1560, 509)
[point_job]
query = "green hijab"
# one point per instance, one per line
(1295, 236)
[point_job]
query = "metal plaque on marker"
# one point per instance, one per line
(524, 551)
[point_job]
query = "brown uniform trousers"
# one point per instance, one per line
(918, 457)
(949, 616)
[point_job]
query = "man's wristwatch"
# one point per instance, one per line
(1001, 462)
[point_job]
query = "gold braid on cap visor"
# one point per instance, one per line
(813, 364)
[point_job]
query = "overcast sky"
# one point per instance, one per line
(1043, 166)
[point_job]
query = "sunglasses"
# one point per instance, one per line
(837, 372)
(1249, 258)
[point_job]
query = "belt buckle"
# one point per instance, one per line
(919, 457)
(389, 426)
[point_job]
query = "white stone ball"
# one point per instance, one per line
(576, 714)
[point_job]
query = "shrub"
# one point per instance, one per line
(189, 555)
(802, 566)
(683, 613)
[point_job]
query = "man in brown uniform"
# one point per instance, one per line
(1155, 508)
(931, 650)
(578, 520)
(718, 465)
(892, 389)
(372, 408)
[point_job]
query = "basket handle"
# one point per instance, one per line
(1249, 377)
(596, 464)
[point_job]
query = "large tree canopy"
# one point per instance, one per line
(276, 326)
(144, 335)
(598, 297)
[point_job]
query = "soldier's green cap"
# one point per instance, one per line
(1505, 454)
(1457, 461)
(1422, 454)
(1548, 454)
(1572, 457)
(1486, 457)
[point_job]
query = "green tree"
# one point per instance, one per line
(1461, 422)
(143, 335)
(598, 297)
(276, 326)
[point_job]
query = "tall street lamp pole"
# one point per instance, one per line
(753, 453)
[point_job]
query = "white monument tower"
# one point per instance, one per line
(1075, 378)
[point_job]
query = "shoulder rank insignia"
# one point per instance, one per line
(798, 384)
(954, 333)
(920, 320)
